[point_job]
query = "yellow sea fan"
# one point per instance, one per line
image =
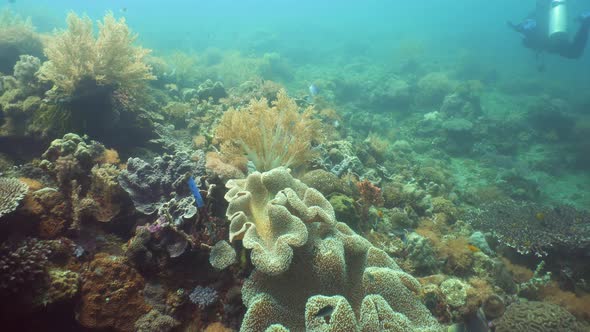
(269, 136)
(75, 54)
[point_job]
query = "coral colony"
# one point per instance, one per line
(217, 191)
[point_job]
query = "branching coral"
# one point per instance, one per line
(110, 59)
(22, 265)
(269, 136)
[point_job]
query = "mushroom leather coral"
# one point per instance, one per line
(329, 278)
(269, 212)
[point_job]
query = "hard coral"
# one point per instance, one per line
(12, 191)
(538, 317)
(110, 59)
(203, 296)
(151, 184)
(111, 294)
(22, 265)
(155, 321)
(534, 228)
(63, 286)
(300, 252)
(269, 135)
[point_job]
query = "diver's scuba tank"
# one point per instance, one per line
(558, 20)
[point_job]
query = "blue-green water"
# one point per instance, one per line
(425, 127)
(316, 33)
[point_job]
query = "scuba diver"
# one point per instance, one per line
(546, 30)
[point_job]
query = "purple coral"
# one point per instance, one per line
(203, 296)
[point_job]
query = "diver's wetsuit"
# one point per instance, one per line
(535, 32)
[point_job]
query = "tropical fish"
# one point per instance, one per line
(196, 193)
(313, 90)
(325, 311)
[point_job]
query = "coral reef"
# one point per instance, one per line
(312, 254)
(86, 179)
(12, 191)
(269, 135)
(397, 158)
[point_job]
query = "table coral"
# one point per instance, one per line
(300, 251)
(12, 191)
(111, 294)
(534, 228)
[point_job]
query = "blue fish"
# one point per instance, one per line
(196, 193)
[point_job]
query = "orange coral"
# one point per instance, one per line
(578, 305)
(432, 231)
(479, 291)
(269, 136)
(111, 294)
(109, 156)
(457, 254)
(48, 206)
(222, 169)
(33, 184)
(217, 327)
(519, 273)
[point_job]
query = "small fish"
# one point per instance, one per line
(196, 193)
(124, 10)
(472, 248)
(313, 90)
(325, 311)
